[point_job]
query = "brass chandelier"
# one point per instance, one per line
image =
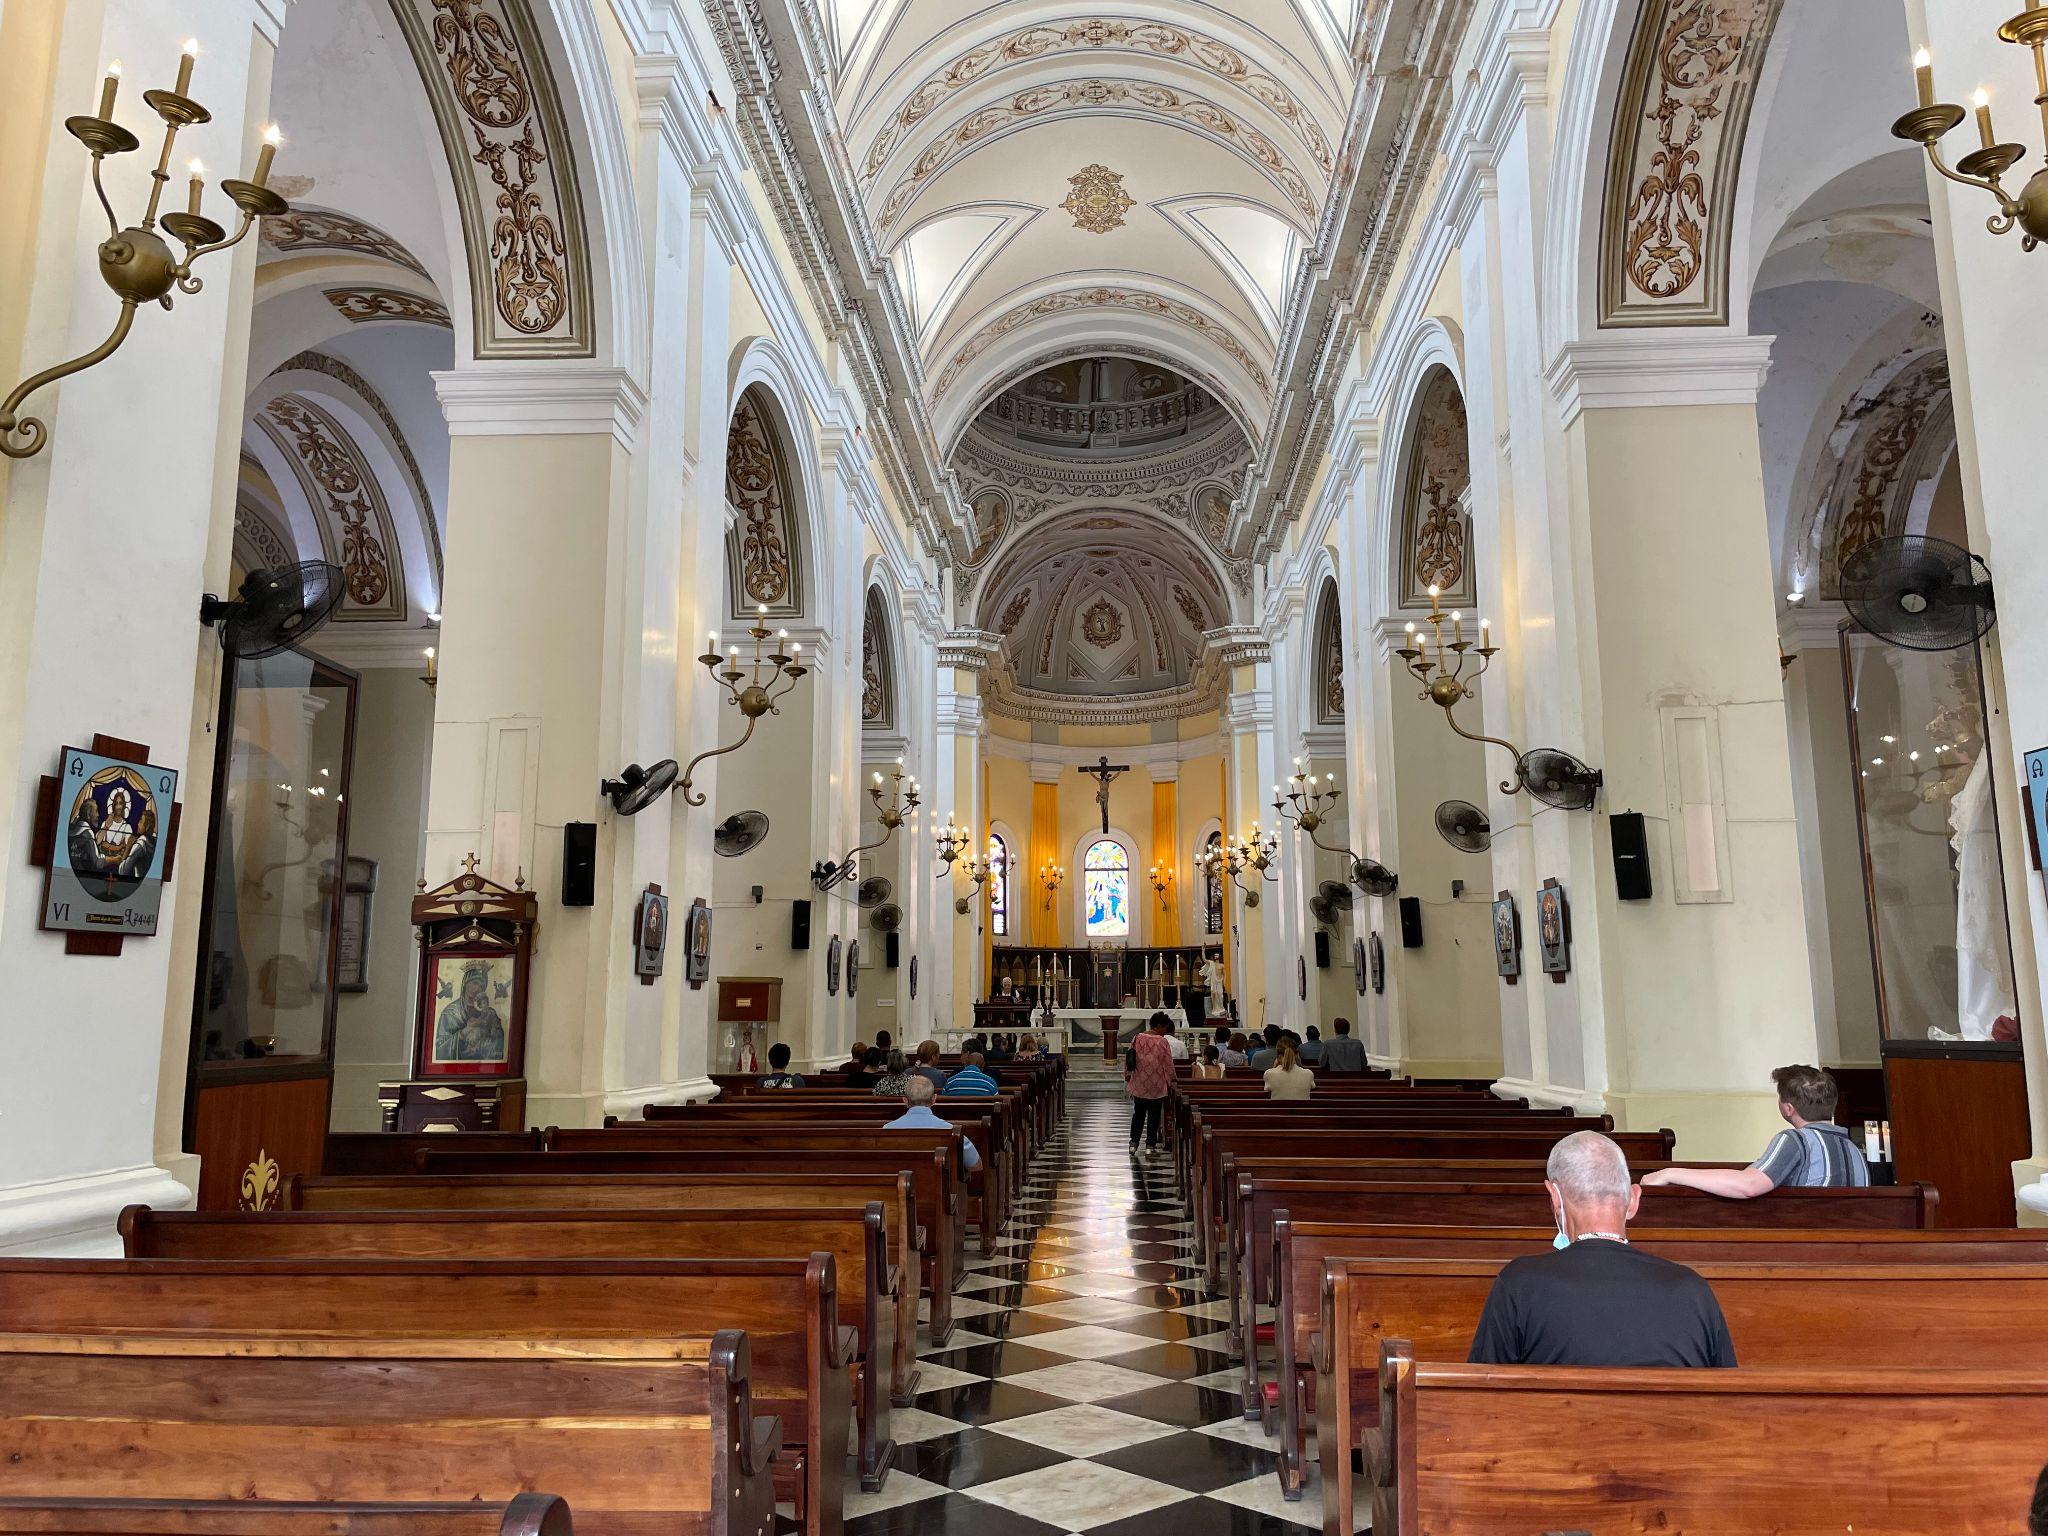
(827, 873)
(136, 262)
(1252, 853)
(756, 687)
(1985, 166)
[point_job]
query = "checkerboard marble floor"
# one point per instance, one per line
(1086, 1386)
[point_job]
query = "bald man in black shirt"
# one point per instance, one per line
(1596, 1300)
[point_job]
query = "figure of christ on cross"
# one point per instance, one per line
(1103, 771)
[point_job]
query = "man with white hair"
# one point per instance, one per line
(918, 1115)
(1595, 1300)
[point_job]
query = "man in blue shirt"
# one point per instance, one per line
(971, 1078)
(918, 1094)
(1312, 1048)
(1815, 1153)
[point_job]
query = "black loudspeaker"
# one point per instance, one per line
(1411, 922)
(892, 953)
(1631, 855)
(1322, 949)
(800, 924)
(579, 864)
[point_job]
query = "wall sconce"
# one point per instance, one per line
(759, 695)
(1984, 167)
(1252, 852)
(977, 871)
(952, 841)
(136, 262)
(432, 676)
(1308, 808)
(826, 874)
(1162, 882)
(1050, 879)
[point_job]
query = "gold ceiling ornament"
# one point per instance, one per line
(361, 306)
(136, 262)
(1098, 201)
(1985, 167)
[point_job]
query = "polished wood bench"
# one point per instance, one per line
(852, 1238)
(1797, 1451)
(1302, 1251)
(992, 1130)
(927, 1157)
(616, 1192)
(367, 1152)
(1794, 1317)
(642, 1437)
(525, 1514)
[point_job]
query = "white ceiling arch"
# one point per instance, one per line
(1106, 312)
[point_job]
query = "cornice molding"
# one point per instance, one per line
(542, 400)
(970, 650)
(1679, 366)
(1814, 625)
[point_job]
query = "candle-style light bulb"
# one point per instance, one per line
(108, 88)
(186, 60)
(1923, 75)
(195, 187)
(272, 137)
(1982, 101)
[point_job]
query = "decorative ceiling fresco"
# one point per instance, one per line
(973, 190)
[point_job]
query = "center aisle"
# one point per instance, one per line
(1086, 1386)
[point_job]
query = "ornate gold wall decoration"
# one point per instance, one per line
(1101, 625)
(258, 543)
(757, 484)
(1012, 612)
(345, 495)
(1094, 34)
(876, 694)
(324, 229)
(1130, 98)
(501, 123)
(1072, 299)
(1677, 148)
(1902, 434)
(1098, 200)
(261, 1184)
(361, 306)
(1190, 610)
(1436, 531)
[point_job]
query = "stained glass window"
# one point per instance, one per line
(1107, 873)
(1212, 885)
(998, 885)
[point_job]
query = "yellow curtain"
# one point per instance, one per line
(1229, 968)
(1169, 855)
(988, 927)
(1045, 849)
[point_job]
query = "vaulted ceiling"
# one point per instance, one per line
(1038, 173)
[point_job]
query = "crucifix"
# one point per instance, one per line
(1103, 772)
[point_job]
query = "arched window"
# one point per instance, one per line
(1212, 884)
(998, 886)
(1107, 890)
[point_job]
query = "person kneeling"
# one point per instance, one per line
(1596, 1300)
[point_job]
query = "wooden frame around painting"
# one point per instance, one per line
(1360, 977)
(476, 958)
(832, 954)
(697, 943)
(352, 947)
(1554, 931)
(650, 935)
(1507, 938)
(1379, 964)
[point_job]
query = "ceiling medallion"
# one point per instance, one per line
(1102, 626)
(1098, 201)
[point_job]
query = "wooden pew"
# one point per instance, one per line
(827, 1143)
(1303, 1249)
(931, 1168)
(1420, 1144)
(1798, 1451)
(785, 1307)
(641, 1437)
(373, 1152)
(525, 1514)
(1793, 1317)
(852, 1238)
(619, 1192)
(991, 1128)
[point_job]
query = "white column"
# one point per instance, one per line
(133, 489)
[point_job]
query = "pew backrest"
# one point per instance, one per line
(525, 1514)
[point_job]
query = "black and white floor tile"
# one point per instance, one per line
(1086, 1386)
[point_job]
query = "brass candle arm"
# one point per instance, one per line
(1985, 167)
(756, 698)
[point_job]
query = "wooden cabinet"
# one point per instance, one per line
(1959, 1121)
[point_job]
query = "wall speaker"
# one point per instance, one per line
(1631, 855)
(1411, 922)
(800, 924)
(579, 864)
(892, 950)
(1322, 949)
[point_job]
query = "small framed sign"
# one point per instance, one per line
(1554, 931)
(650, 935)
(113, 834)
(2037, 802)
(1379, 964)
(1507, 938)
(697, 943)
(352, 951)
